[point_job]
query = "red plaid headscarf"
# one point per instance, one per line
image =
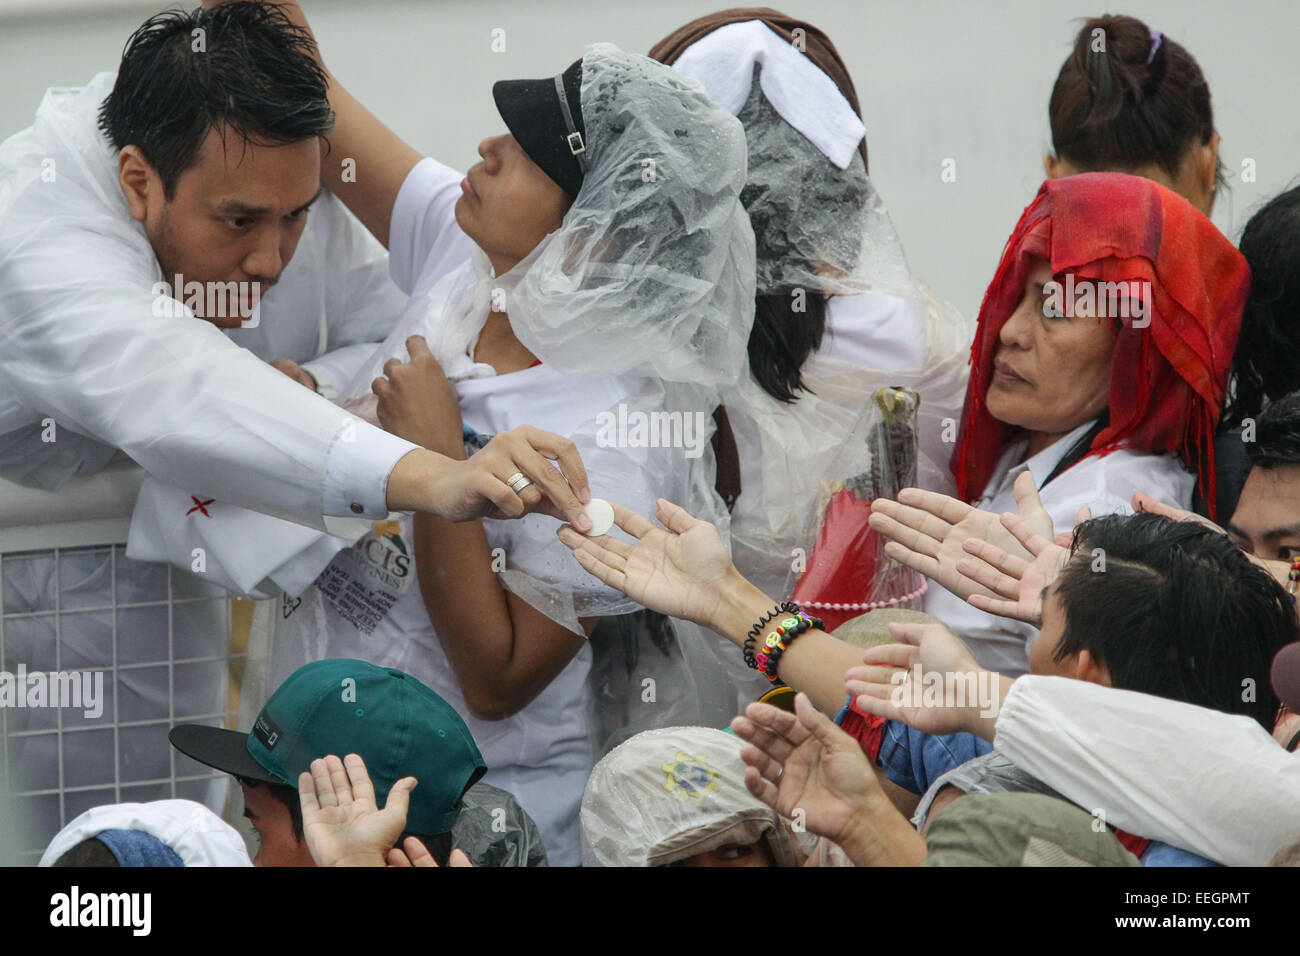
(1168, 379)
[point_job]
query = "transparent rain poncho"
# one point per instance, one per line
(667, 795)
(816, 226)
(652, 270)
(649, 278)
(823, 228)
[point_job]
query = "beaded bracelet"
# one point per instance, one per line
(779, 640)
(747, 649)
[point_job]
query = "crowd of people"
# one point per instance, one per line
(1099, 504)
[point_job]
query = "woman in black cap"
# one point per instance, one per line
(611, 285)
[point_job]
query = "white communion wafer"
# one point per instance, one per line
(601, 513)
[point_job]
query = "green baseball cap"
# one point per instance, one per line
(399, 727)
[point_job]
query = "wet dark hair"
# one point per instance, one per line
(285, 794)
(1179, 612)
(782, 339)
(1277, 434)
(89, 852)
(255, 74)
(1267, 362)
(1114, 111)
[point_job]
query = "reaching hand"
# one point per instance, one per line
(1018, 584)
(296, 372)
(478, 487)
(898, 681)
(679, 571)
(803, 762)
(340, 819)
(928, 530)
(417, 854)
(1143, 502)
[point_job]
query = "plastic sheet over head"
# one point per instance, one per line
(816, 226)
(493, 830)
(652, 268)
(667, 795)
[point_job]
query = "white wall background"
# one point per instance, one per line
(961, 79)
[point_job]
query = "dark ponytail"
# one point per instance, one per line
(1128, 97)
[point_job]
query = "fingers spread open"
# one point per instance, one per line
(1024, 533)
(991, 554)
(918, 530)
(593, 565)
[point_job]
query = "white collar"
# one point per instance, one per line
(1042, 464)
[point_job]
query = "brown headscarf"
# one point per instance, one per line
(817, 46)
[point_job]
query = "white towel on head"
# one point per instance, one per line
(723, 61)
(197, 835)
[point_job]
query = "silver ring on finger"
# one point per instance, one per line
(518, 482)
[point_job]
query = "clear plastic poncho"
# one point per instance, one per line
(820, 227)
(616, 293)
(667, 795)
(652, 270)
(649, 278)
(816, 226)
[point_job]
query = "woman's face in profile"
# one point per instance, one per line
(1051, 372)
(507, 204)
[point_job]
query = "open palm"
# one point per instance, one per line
(341, 821)
(1017, 585)
(678, 571)
(927, 532)
(896, 681)
(803, 766)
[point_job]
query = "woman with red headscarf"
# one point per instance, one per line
(1098, 370)
(1099, 367)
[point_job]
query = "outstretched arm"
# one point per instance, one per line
(363, 162)
(683, 570)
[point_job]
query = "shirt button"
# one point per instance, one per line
(356, 508)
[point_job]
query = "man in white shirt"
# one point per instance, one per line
(192, 204)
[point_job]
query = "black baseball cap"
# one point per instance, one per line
(548, 127)
(399, 726)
